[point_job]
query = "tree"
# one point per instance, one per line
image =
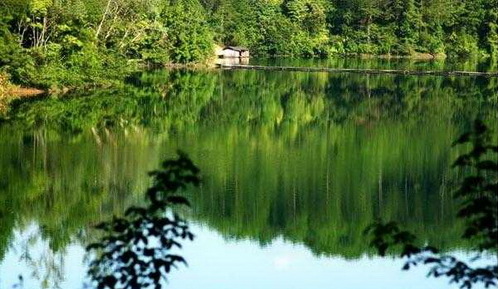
(188, 34)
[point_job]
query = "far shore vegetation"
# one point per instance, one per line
(60, 44)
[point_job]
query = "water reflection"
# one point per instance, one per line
(245, 264)
(304, 159)
(386, 63)
(285, 265)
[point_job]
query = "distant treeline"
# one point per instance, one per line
(323, 27)
(74, 42)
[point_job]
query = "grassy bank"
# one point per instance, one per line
(10, 92)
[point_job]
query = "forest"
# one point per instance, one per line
(73, 43)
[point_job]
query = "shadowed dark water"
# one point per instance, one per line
(295, 166)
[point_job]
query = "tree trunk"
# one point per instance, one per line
(103, 19)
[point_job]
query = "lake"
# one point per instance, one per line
(295, 166)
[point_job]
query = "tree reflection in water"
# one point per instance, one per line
(136, 250)
(279, 152)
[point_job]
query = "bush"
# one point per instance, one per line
(188, 34)
(462, 45)
(13, 60)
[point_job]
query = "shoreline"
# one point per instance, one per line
(360, 71)
(9, 91)
(25, 92)
(14, 92)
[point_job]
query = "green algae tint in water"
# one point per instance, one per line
(295, 166)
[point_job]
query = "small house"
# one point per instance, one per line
(233, 52)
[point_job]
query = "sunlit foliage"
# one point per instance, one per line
(62, 43)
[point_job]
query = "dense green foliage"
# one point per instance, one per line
(318, 27)
(76, 42)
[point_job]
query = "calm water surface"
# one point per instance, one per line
(295, 166)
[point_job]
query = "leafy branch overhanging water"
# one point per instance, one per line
(135, 250)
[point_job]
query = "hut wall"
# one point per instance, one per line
(228, 53)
